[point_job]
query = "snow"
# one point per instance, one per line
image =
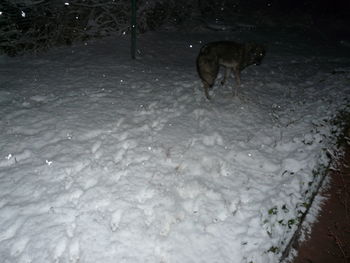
(106, 159)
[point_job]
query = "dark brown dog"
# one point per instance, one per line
(232, 55)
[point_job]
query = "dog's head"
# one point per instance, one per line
(255, 53)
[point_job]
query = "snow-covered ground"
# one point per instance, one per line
(105, 159)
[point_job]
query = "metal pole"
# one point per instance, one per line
(133, 28)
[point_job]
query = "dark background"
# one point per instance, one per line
(34, 26)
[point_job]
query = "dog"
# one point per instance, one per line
(233, 56)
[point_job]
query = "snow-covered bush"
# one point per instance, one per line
(34, 25)
(38, 24)
(153, 14)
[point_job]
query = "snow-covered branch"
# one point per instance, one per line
(39, 24)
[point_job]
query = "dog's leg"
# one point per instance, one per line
(238, 76)
(227, 74)
(208, 71)
(206, 90)
(238, 81)
(206, 87)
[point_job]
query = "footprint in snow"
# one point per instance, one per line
(74, 251)
(145, 194)
(19, 245)
(95, 149)
(70, 230)
(115, 219)
(11, 159)
(96, 146)
(213, 139)
(60, 248)
(11, 230)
